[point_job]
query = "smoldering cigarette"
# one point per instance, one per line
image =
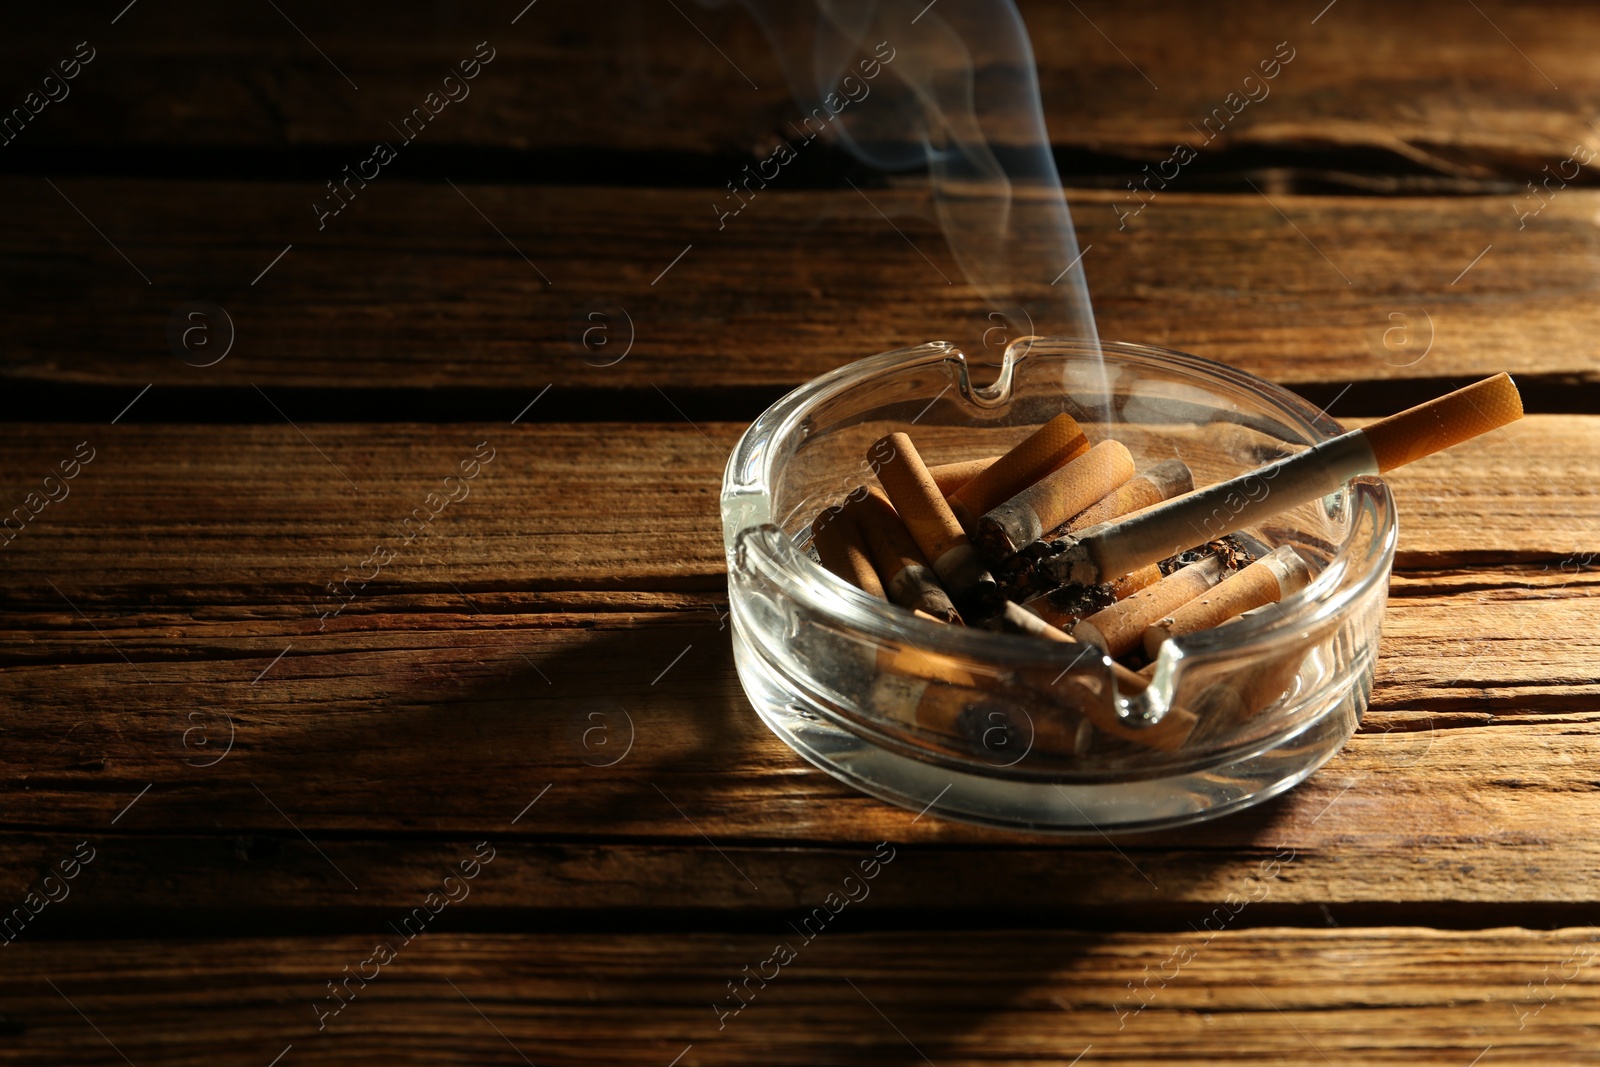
(907, 579)
(1155, 533)
(1165, 480)
(1269, 579)
(1023, 519)
(1047, 449)
(1119, 628)
(927, 516)
(949, 477)
(842, 550)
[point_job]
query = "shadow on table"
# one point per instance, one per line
(643, 732)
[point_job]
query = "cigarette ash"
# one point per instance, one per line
(1021, 578)
(1233, 550)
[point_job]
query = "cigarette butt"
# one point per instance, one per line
(1041, 607)
(985, 725)
(949, 477)
(1048, 448)
(1269, 579)
(1165, 480)
(1119, 628)
(1023, 519)
(907, 579)
(914, 662)
(1167, 735)
(925, 617)
(843, 551)
(1143, 578)
(1020, 620)
(1444, 421)
(926, 515)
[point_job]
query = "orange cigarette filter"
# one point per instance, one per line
(1129, 584)
(1168, 734)
(926, 514)
(1048, 448)
(1052, 500)
(1120, 627)
(1161, 482)
(1268, 580)
(840, 547)
(948, 477)
(907, 579)
(1442, 422)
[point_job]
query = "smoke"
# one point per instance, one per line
(961, 97)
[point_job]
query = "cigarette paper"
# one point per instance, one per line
(1269, 579)
(907, 579)
(1048, 448)
(948, 477)
(1053, 499)
(1157, 532)
(1119, 628)
(926, 515)
(1165, 480)
(840, 547)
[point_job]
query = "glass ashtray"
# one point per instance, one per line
(1015, 731)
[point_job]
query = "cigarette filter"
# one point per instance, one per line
(1020, 620)
(997, 730)
(926, 515)
(1046, 449)
(1052, 500)
(1168, 734)
(1119, 628)
(907, 579)
(1157, 532)
(1269, 579)
(840, 547)
(1163, 481)
(948, 477)
(1142, 578)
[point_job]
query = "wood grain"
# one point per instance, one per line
(1243, 996)
(1423, 86)
(410, 286)
(264, 515)
(579, 585)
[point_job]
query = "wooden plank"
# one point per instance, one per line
(1463, 102)
(481, 661)
(409, 286)
(1237, 997)
(394, 731)
(264, 515)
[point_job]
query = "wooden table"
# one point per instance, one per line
(524, 736)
